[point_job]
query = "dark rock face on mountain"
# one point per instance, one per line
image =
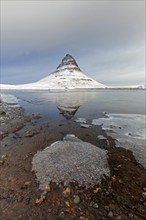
(68, 62)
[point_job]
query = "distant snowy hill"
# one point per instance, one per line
(68, 75)
(128, 87)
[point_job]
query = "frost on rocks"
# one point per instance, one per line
(70, 160)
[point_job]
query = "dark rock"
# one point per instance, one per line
(68, 62)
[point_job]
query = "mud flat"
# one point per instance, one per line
(119, 195)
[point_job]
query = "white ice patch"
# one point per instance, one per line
(70, 160)
(85, 125)
(101, 137)
(129, 132)
(80, 120)
(9, 99)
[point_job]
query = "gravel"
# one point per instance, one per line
(70, 160)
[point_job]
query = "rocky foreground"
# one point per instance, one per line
(121, 195)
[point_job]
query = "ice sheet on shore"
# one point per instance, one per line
(9, 99)
(129, 132)
(70, 160)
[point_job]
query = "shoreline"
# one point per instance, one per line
(68, 90)
(120, 196)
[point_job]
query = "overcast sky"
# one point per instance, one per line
(107, 39)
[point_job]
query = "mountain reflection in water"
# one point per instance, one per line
(68, 111)
(68, 103)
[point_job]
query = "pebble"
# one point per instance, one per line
(130, 215)
(43, 194)
(95, 206)
(119, 217)
(61, 215)
(66, 192)
(29, 134)
(144, 195)
(1, 162)
(110, 214)
(77, 199)
(96, 190)
(83, 218)
(67, 203)
(27, 183)
(20, 199)
(48, 188)
(3, 156)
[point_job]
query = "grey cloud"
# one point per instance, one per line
(37, 25)
(113, 65)
(99, 32)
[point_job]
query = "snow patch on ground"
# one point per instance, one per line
(70, 160)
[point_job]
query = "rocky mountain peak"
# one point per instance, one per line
(68, 62)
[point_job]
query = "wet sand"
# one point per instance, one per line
(121, 196)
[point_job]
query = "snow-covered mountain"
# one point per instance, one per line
(68, 75)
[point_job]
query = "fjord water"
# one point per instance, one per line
(90, 103)
(126, 109)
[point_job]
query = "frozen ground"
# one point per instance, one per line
(70, 160)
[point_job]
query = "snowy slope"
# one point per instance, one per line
(68, 75)
(69, 79)
(128, 87)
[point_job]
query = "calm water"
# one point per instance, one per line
(89, 104)
(126, 110)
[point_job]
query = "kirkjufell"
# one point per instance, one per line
(67, 75)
